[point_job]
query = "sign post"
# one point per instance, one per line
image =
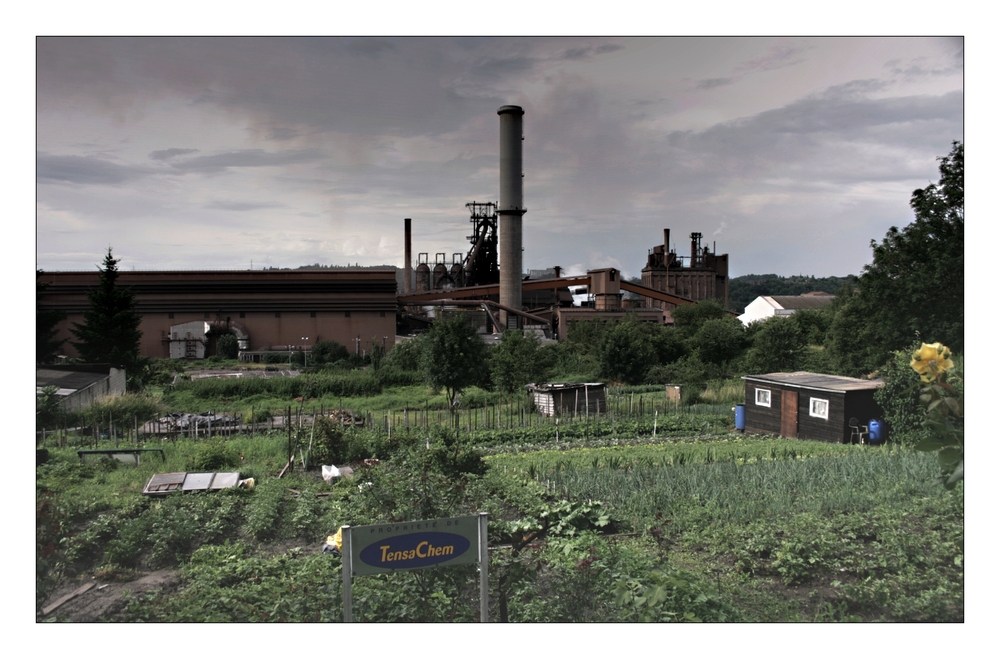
(416, 545)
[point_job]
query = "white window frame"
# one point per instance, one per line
(819, 408)
(762, 397)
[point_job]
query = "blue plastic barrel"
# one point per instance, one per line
(875, 431)
(741, 417)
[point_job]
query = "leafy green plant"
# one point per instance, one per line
(668, 594)
(213, 455)
(945, 419)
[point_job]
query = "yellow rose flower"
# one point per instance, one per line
(930, 360)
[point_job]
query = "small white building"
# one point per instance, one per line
(569, 399)
(189, 340)
(768, 306)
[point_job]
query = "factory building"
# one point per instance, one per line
(185, 312)
(705, 276)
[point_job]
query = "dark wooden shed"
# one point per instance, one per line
(809, 405)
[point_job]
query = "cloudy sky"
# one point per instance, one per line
(790, 154)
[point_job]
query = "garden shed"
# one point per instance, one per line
(807, 405)
(569, 398)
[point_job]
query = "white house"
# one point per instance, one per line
(767, 306)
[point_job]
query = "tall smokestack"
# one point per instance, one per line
(511, 209)
(407, 257)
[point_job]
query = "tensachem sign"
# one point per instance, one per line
(414, 545)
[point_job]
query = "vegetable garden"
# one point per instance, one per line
(593, 520)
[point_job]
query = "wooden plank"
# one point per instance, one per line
(65, 598)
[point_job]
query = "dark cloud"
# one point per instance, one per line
(370, 47)
(241, 206)
(168, 154)
(84, 170)
(586, 52)
(498, 67)
(712, 83)
(245, 158)
(350, 135)
(778, 56)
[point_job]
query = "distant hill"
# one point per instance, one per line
(744, 290)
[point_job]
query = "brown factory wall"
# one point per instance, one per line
(354, 330)
(274, 308)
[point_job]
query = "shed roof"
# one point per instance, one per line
(817, 381)
(563, 386)
(67, 381)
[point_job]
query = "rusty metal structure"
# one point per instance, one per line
(705, 275)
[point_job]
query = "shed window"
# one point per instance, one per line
(819, 407)
(763, 397)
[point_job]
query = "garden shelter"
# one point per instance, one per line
(569, 398)
(806, 405)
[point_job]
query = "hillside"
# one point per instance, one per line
(743, 290)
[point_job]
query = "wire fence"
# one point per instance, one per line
(518, 414)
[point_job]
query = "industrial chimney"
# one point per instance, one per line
(407, 258)
(510, 210)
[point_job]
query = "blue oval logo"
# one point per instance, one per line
(414, 550)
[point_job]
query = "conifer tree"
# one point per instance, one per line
(110, 330)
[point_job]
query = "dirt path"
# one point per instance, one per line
(94, 599)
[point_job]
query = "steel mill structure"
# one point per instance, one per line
(185, 312)
(510, 299)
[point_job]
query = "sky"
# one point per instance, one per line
(789, 154)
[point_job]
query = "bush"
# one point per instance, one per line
(213, 455)
(228, 347)
(328, 352)
(899, 397)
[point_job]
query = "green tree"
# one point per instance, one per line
(406, 355)
(719, 340)
(669, 344)
(688, 318)
(516, 361)
(813, 323)
(778, 345)
(110, 330)
(628, 351)
(46, 323)
(914, 288)
(454, 356)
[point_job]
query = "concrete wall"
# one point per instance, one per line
(111, 386)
